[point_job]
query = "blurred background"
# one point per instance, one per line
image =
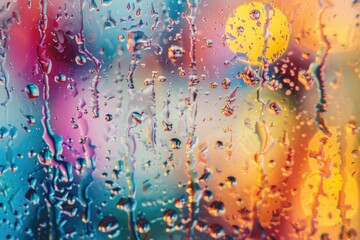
(175, 119)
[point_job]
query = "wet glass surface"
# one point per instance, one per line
(179, 119)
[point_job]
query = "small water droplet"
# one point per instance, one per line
(108, 117)
(209, 43)
(60, 78)
(170, 216)
(136, 117)
(216, 231)
(80, 60)
(226, 83)
(274, 108)
(255, 14)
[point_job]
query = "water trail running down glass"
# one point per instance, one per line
(194, 191)
(316, 70)
(83, 50)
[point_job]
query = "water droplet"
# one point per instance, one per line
(32, 90)
(227, 110)
(274, 108)
(32, 153)
(193, 80)
(158, 50)
(136, 117)
(142, 225)
(208, 195)
(108, 224)
(170, 216)
(216, 231)
(179, 203)
(60, 78)
(175, 53)
(121, 37)
(240, 29)
(167, 126)
(273, 85)
(250, 77)
(108, 117)
(355, 153)
(4, 132)
(226, 83)
(201, 226)
(255, 14)
(209, 43)
(105, 2)
(161, 78)
(80, 60)
(213, 85)
(30, 120)
(175, 143)
(217, 208)
(126, 204)
(231, 181)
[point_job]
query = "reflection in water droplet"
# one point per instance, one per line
(175, 53)
(274, 108)
(32, 90)
(108, 117)
(225, 84)
(170, 216)
(216, 231)
(108, 224)
(60, 78)
(250, 77)
(136, 117)
(217, 208)
(175, 143)
(142, 225)
(208, 195)
(80, 60)
(255, 14)
(105, 2)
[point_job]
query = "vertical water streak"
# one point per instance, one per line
(262, 130)
(264, 64)
(342, 193)
(53, 141)
(131, 166)
(4, 76)
(194, 191)
(316, 70)
(95, 81)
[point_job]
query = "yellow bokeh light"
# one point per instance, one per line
(257, 28)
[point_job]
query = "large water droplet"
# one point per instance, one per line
(32, 90)
(175, 53)
(175, 143)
